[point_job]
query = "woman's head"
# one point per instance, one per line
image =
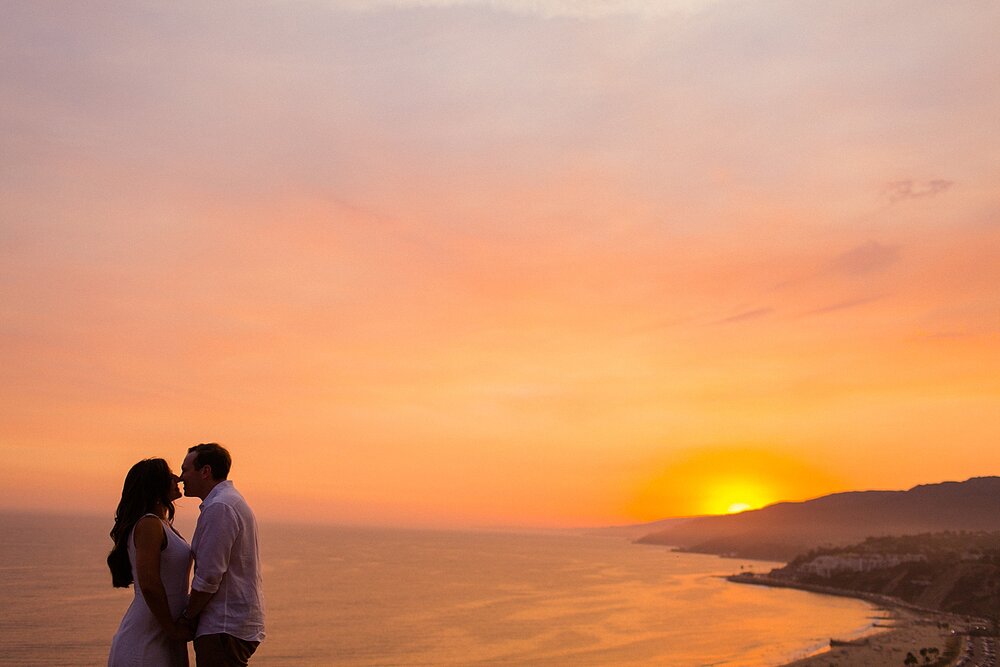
(150, 487)
(149, 482)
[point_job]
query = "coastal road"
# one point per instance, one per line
(978, 652)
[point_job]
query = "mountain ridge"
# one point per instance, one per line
(783, 530)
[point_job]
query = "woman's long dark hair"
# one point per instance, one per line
(148, 482)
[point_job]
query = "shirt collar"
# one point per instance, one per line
(224, 483)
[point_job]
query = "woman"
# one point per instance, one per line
(151, 553)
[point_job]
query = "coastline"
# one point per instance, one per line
(908, 629)
(911, 633)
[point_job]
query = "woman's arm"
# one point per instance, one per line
(148, 536)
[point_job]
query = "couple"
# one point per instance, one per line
(224, 612)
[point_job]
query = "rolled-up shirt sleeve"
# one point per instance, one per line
(218, 527)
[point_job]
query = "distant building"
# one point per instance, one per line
(826, 566)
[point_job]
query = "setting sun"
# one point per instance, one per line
(728, 495)
(727, 480)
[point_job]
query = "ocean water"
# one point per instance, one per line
(350, 596)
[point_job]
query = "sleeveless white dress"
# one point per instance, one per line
(140, 641)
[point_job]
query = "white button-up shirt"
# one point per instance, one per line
(227, 563)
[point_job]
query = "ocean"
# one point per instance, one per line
(354, 596)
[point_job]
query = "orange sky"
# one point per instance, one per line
(500, 263)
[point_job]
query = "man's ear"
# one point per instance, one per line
(209, 469)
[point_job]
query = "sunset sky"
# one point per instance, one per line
(499, 262)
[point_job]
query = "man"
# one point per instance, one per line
(226, 605)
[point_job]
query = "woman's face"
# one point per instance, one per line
(175, 490)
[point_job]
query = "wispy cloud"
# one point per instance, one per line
(842, 305)
(864, 259)
(754, 314)
(910, 189)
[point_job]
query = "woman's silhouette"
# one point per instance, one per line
(150, 553)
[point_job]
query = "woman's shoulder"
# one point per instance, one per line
(148, 527)
(149, 520)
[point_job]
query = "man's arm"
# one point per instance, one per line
(217, 532)
(196, 603)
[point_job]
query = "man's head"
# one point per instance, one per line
(204, 467)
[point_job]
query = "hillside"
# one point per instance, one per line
(953, 572)
(784, 530)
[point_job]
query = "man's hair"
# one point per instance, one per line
(215, 455)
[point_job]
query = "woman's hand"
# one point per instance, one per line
(182, 631)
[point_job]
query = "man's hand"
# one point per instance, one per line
(196, 602)
(184, 628)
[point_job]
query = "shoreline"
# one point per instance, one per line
(909, 628)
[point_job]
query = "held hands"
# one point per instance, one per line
(183, 629)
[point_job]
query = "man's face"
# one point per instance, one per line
(190, 477)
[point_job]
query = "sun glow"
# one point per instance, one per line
(731, 495)
(728, 480)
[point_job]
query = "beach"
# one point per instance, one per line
(910, 632)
